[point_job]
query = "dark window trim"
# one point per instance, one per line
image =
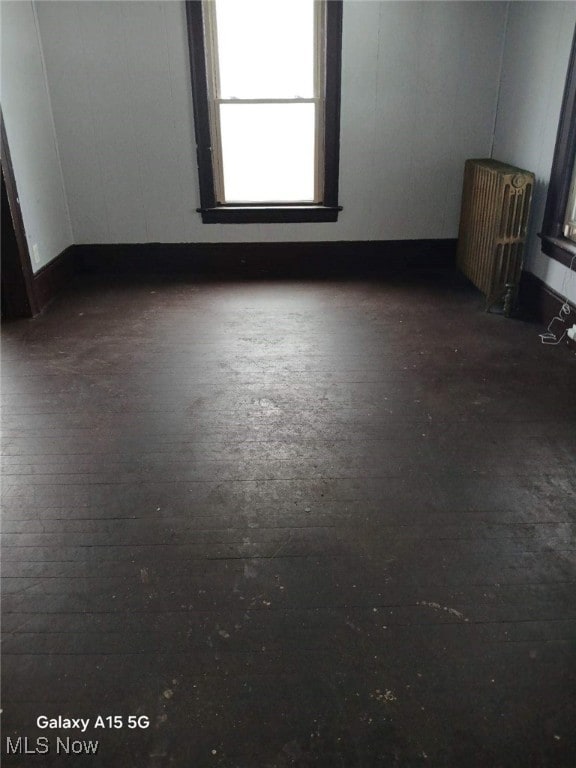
(554, 244)
(268, 214)
(213, 212)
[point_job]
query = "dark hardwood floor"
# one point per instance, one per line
(291, 523)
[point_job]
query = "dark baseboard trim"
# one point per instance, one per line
(296, 260)
(52, 278)
(253, 260)
(300, 259)
(541, 303)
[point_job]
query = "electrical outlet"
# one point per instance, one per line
(35, 255)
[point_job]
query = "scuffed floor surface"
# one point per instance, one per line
(293, 524)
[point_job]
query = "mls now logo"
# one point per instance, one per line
(69, 746)
(25, 746)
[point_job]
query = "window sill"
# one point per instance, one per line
(560, 248)
(268, 214)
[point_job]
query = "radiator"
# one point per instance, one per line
(495, 207)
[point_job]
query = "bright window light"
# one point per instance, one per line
(266, 81)
(265, 48)
(570, 218)
(268, 152)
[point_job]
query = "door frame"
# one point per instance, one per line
(19, 298)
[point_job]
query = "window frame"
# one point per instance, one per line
(570, 216)
(211, 210)
(554, 243)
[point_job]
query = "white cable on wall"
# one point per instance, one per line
(551, 336)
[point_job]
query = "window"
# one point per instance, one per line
(266, 90)
(570, 216)
(559, 225)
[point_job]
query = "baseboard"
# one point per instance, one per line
(54, 276)
(299, 259)
(541, 303)
(346, 258)
(248, 260)
(252, 260)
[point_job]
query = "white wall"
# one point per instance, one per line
(419, 91)
(30, 131)
(536, 53)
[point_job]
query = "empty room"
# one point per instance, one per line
(288, 376)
